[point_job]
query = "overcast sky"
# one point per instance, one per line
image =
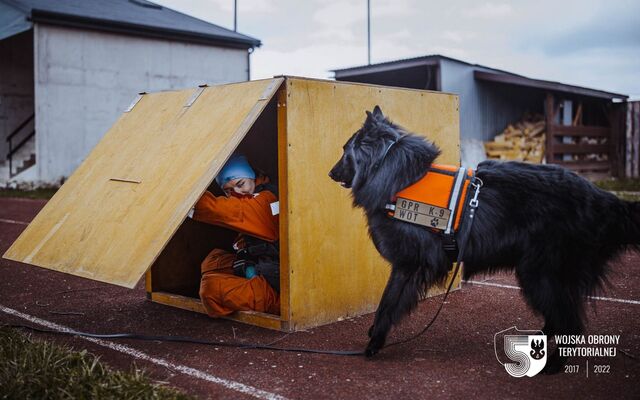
(592, 43)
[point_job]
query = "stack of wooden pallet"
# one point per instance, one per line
(522, 141)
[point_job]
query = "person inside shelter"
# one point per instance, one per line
(248, 278)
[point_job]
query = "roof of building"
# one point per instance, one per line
(482, 73)
(137, 17)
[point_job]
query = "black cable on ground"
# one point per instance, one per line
(183, 339)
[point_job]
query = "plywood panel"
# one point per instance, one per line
(162, 156)
(334, 270)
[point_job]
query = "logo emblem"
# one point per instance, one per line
(526, 351)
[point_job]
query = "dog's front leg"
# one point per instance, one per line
(399, 297)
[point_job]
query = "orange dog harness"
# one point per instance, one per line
(436, 201)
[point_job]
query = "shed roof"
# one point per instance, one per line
(137, 17)
(481, 73)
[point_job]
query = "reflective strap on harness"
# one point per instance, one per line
(455, 197)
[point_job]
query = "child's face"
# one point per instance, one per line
(240, 186)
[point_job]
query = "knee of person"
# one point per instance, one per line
(216, 259)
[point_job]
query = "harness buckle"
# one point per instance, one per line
(477, 184)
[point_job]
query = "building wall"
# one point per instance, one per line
(84, 80)
(486, 108)
(16, 86)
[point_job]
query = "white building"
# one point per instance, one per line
(69, 68)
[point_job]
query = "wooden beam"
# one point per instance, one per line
(589, 131)
(581, 149)
(549, 122)
(191, 304)
(283, 179)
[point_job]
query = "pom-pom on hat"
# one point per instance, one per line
(237, 167)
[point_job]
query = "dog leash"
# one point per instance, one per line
(476, 183)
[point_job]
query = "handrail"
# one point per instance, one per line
(22, 143)
(13, 150)
(19, 128)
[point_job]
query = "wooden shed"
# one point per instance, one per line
(124, 210)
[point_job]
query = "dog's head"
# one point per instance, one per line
(363, 147)
(368, 147)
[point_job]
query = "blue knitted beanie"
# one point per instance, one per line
(236, 167)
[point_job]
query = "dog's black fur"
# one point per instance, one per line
(556, 230)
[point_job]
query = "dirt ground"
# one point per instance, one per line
(454, 359)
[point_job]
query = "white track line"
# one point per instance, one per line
(229, 384)
(518, 287)
(11, 221)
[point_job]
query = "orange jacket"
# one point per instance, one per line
(249, 214)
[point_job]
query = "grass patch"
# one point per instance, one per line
(28, 194)
(31, 369)
(628, 196)
(626, 189)
(620, 185)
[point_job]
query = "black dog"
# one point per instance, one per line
(557, 230)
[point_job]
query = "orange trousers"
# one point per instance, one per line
(222, 292)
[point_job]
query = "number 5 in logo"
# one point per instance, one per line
(528, 353)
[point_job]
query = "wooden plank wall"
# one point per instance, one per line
(557, 150)
(632, 140)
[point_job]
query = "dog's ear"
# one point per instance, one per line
(377, 112)
(373, 117)
(370, 122)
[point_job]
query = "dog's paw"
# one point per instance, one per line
(371, 351)
(374, 346)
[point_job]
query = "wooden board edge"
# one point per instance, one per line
(262, 320)
(174, 300)
(285, 299)
(147, 283)
(374, 85)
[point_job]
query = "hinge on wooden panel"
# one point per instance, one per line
(266, 94)
(195, 95)
(135, 101)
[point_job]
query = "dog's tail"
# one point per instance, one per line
(631, 227)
